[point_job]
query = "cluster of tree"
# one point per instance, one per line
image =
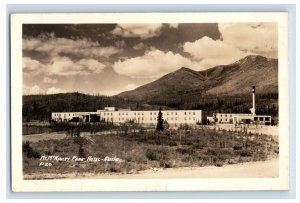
(40, 107)
(266, 104)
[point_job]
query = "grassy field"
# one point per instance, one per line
(46, 127)
(142, 149)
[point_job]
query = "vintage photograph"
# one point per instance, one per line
(152, 100)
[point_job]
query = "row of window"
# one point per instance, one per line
(151, 113)
(225, 115)
(255, 119)
(262, 118)
(110, 114)
(59, 114)
(154, 118)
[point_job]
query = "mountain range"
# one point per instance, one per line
(224, 88)
(220, 81)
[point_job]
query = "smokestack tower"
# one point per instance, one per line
(253, 100)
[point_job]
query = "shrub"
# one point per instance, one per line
(232, 161)
(237, 147)
(166, 164)
(245, 153)
(114, 168)
(219, 164)
(157, 154)
(213, 152)
(173, 143)
(29, 152)
(184, 151)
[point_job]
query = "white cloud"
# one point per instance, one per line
(25, 89)
(139, 46)
(173, 25)
(138, 30)
(115, 92)
(213, 52)
(153, 64)
(36, 90)
(50, 80)
(93, 65)
(261, 38)
(55, 46)
(131, 86)
(54, 90)
(120, 44)
(31, 66)
(64, 66)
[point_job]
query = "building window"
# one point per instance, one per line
(111, 114)
(267, 118)
(104, 114)
(184, 113)
(176, 113)
(193, 113)
(150, 113)
(261, 118)
(134, 113)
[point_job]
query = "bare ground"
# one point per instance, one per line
(260, 129)
(44, 136)
(260, 169)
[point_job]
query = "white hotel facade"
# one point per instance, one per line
(114, 115)
(235, 118)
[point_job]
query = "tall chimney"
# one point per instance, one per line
(253, 100)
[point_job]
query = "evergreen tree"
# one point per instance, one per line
(160, 121)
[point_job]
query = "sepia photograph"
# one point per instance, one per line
(151, 97)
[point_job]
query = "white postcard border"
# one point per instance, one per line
(18, 184)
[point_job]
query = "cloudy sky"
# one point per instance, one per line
(108, 59)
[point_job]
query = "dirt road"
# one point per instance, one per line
(262, 169)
